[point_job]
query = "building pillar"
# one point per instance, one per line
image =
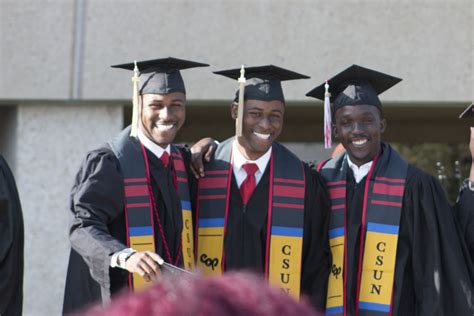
(51, 141)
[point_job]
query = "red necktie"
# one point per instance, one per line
(247, 187)
(165, 159)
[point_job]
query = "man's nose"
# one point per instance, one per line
(264, 123)
(165, 113)
(357, 127)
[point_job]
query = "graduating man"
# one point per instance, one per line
(130, 201)
(259, 208)
(465, 204)
(11, 244)
(393, 238)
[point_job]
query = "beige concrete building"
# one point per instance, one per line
(59, 98)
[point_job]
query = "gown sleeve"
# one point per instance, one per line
(316, 252)
(464, 211)
(441, 279)
(11, 244)
(96, 200)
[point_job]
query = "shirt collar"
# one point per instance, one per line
(151, 146)
(238, 159)
(359, 172)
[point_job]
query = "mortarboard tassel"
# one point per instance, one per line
(240, 110)
(327, 118)
(135, 101)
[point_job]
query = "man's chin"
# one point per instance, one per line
(361, 158)
(163, 141)
(261, 148)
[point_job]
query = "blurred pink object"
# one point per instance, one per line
(231, 294)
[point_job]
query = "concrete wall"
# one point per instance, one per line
(52, 141)
(55, 57)
(35, 48)
(429, 43)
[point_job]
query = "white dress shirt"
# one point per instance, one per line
(359, 172)
(238, 160)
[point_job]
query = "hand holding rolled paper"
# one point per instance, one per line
(146, 264)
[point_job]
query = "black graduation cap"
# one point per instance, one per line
(355, 85)
(160, 76)
(262, 82)
(468, 112)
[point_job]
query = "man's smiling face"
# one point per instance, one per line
(359, 129)
(162, 115)
(262, 124)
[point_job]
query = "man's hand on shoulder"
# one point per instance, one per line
(200, 152)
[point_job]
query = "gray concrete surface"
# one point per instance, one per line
(52, 141)
(427, 42)
(43, 60)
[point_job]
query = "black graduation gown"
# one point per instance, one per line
(464, 210)
(11, 244)
(245, 239)
(97, 229)
(431, 276)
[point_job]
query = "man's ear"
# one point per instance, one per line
(334, 131)
(234, 106)
(383, 125)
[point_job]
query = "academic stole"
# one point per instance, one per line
(285, 219)
(139, 202)
(382, 206)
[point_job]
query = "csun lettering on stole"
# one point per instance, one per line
(378, 268)
(378, 274)
(285, 275)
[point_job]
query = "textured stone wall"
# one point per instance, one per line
(52, 141)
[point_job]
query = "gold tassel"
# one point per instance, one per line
(135, 101)
(240, 111)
